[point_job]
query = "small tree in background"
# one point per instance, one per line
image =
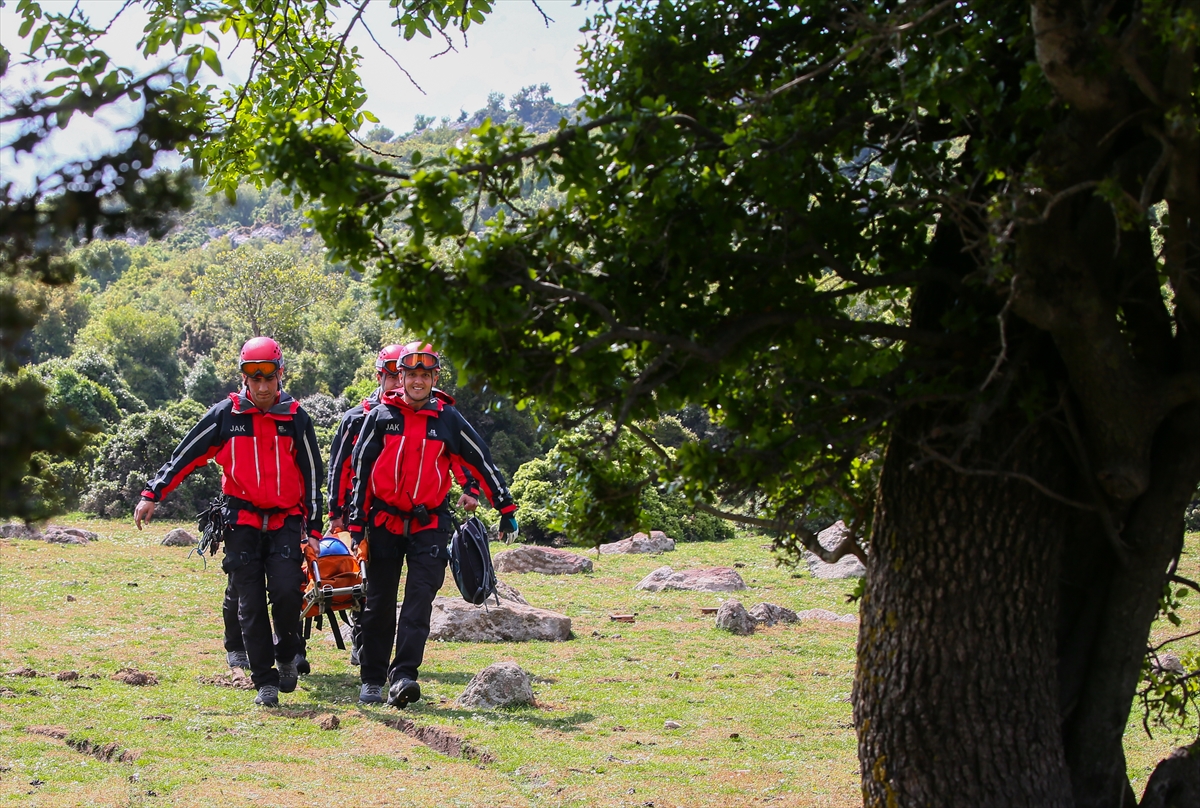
(266, 291)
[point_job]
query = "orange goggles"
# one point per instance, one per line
(262, 370)
(413, 361)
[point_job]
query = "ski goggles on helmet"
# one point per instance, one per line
(415, 361)
(260, 369)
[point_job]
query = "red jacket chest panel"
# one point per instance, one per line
(258, 460)
(413, 467)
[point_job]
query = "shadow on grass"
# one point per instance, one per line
(328, 688)
(448, 677)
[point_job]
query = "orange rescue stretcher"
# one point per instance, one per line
(337, 585)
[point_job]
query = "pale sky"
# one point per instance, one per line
(514, 48)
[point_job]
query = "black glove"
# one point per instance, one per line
(508, 525)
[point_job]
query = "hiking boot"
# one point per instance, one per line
(268, 696)
(287, 676)
(237, 659)
(302, 666)
(371, 694)
(403, 692)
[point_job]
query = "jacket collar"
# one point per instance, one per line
(433, 405)
(284, 405)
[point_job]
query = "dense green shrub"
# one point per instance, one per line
(135, 451)
(325, 412)
(543, 489)
(204, 385)
(100, 369)
(533, 488)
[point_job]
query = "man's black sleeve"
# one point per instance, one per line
(308, 459)
(362, 460)
(339, 461)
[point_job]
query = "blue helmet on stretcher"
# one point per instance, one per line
(331, 546)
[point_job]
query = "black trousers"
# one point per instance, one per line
(233, 631)
(426, 573)
(264, 567)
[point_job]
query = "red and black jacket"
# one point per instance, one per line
(270, 464)
(341, 473)
(403, 460)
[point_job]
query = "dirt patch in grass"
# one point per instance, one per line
(132, 676)
(441, 740)
(108, 753)
(23, 672)
(58, 733)
(227, 680)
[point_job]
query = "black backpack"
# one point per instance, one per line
(471, 562)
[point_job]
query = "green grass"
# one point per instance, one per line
(765, 719)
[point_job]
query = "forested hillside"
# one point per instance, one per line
(146, 338)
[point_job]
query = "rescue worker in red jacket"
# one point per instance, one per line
(399, 502)
(387, 374)
(271, 479)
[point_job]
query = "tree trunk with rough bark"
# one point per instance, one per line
(955, 696)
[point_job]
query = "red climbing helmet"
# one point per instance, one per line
(261, 356)
(421, 355)
(389, 359)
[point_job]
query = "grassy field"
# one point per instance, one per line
(764, 720)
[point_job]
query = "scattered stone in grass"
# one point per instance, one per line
(6, 693)
(712, 579)
(132, 676)
(498, 685)
(25, 672)
(131, 583)
(58, 733)
(739, 565)
(825, 614)
(227, 680)
(673, 675)
(328, 721)
(619, 728)
(67, 676)
(672, 725)
(733, 617)
(79, 687)
(1168, 663)
(507, 591)
(19, 530)
(769, 614)
(733, 736)
(109, 752)
(544, 560)
(441, 740)
(70, 598)
(179, 538)
(56, 534)
(158, 717)
(95, 676)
